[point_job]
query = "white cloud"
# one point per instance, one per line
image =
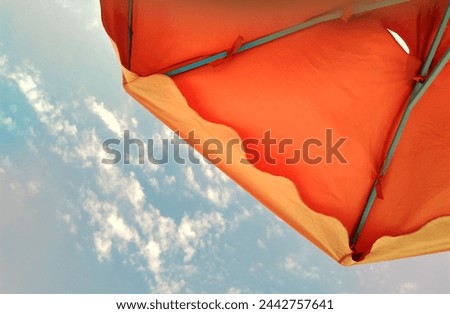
(190, 178)
(312, 273)
(151, 239)
(147, 237)
(261, 244)
(256, 267)
(155, 226)
(408, 287)
(241, 214)
(166, 132)
(111, 227)
(295, 266)
(192, 231)
(103, 246)
(5, 161)
(289, 263)
(23, 187)
(219, 196)
(3, 64)
(134, 122)
(154, 182)
(169, 287)
(190, 269)
(165, 237)
(213, 173)
(67, 218)
(185, 236)
(115, 182)
(86, 151)
(8, 121)
(119, 229)
(88, 148)
(28, 80)
(170, 180)
(274, 230)
(150, 168)
(115, 202)
(110, 119)
(33, 187)
(377, 273)
(153, 254)
(234, 290)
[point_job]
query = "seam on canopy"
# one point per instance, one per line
(130, 32)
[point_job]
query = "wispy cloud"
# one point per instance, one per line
(117, 184)
(192, 232)
(295, 266)
(110, 119)
(28, 80)
(150, 236)
(170, 180)
(408, 287)
(214, 189)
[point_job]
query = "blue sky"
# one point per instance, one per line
(68, 223)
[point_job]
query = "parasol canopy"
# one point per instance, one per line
(335, 115)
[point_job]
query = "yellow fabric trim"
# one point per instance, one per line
(433, 237)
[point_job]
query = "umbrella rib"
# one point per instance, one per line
(417, 93)
(283, 33)
(130, 31)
